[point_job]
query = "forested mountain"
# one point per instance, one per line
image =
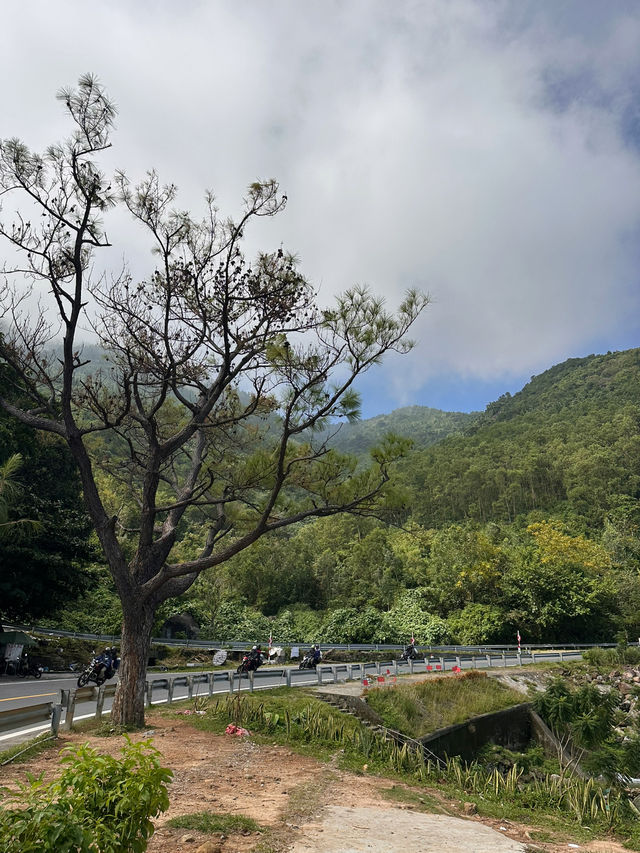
(567, 444)
(425, 426)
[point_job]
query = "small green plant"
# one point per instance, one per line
(99, 803)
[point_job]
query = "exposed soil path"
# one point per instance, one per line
(307, 805)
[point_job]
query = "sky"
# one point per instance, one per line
(487, 153)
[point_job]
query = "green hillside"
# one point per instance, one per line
(424, 425)
(567, 444)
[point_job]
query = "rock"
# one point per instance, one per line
(628, 675)
(186, 839)
(210, 847)
(470, 808)
(625, 688)
(599, 679)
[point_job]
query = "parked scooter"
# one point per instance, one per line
(29, 669)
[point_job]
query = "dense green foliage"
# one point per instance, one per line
(98, 803)
(47, 566)
(585, 721)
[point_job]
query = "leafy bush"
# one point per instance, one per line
(409, 617)
(99, 804)
(621, 655)
(351, 625)
(601, 657)
(480, 623)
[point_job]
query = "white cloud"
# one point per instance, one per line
(469, 148)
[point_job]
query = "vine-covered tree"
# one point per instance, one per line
(218, 370)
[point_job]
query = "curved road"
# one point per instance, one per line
(17, 693)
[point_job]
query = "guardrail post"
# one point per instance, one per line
(288, 677)
(378, 668)
(474, 662)
(210, 678)
(533, 656)
(56, 715)
(334, 674)
(561, 656)
(189, 687)
(71, 708)
(442, 662)
(488, 656)
(458, 661)
(148, 692)
(395, 667)
(231, 675)
(410, 666)
(170, 691)
(251, 676)
(519, 656)
(319, 674)
(100, 703)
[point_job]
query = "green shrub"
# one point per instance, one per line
(621, 655)
(480, 623)
(601, 657)
(99, 804)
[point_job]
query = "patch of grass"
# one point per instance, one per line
(211, 823)
(26, 750)
(542, 836)
(426, 706)
(420, 799)
(108, 729)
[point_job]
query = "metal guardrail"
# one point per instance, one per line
(239, 645)
(32, 716)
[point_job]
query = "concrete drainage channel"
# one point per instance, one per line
(35, 719)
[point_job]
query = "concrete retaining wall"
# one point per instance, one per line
(511, 727)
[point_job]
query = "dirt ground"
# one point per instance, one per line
(307, 805)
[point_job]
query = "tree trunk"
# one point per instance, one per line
(128, 704)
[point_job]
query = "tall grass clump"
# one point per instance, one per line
(426, 706)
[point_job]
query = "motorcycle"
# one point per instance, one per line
(96, 671)
(409, 654)
(308, 662)
(30, 669)
(250, 663)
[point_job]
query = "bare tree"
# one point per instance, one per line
(219, 372)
